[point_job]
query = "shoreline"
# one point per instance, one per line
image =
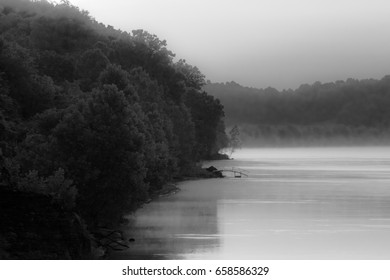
(168, 189)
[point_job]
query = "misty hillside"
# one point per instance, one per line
(94, 118)
(352, 111)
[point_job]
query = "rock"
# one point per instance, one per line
(211, 169)
(215, 171)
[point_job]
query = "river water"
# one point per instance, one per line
(295, 203)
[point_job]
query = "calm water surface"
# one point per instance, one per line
(296, 203)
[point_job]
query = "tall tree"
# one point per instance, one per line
(234, 141)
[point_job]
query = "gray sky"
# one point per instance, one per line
(261, 43)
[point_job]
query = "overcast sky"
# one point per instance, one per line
(261, 43)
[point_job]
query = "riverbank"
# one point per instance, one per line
(35, 228)
(125, 238)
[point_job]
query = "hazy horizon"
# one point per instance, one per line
(280, 44)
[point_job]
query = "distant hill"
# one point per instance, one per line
(346, 112)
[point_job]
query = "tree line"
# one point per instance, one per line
(94, 117)
(344, 110)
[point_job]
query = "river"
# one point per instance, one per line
(295, 203)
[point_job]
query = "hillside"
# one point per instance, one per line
(95, 118)
(343, 112)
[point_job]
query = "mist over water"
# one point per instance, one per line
(296, 203)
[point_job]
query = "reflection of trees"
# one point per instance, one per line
(175, 226)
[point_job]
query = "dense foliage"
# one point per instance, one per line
(95, 117)
(345, 110)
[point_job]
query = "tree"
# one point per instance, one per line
(114, 75)
(234, 141)
(101, 141)
(192, 76)
(206, 114)
(91, 63)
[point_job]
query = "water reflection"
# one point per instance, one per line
(324, 203)
(173, 227)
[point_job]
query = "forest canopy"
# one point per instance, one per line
(96, 117)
